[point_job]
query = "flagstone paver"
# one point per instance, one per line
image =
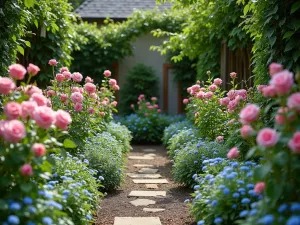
(151, 186)
(148, 170)
(137, 221)
(149, 150)
(145, 157)
(147, 194)
(142, 202)
(143, 165)
(153, 209)
(150, 155)
(144, 176)
(150, 181)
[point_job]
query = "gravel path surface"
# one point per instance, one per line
(117, 204)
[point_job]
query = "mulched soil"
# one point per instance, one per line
(117, 204)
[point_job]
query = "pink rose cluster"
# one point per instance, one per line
(146, 105)
(233, 99)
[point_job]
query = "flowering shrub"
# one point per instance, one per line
(173, 129)
(224, 193)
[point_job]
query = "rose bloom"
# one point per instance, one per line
(232, 94)
(249, 113)
(27, 109)
(114, 103)
(260, 88)
(274, 68)
(63, 97)
(189, 89)
(155, 106)
(78, 107)
(231, 106)
(208, 94)
(220, 138)
(12, 110)
(40, 99)
(26, 170)
(159, 111)
(269, 91)
(17, 71)
(293, 101)
(7, 85)
(233, 153)
(62, 119)
(267, 137)
(88, 80)
(77, 77)
(259, 187)
(112, 82)
(91, 110)
(38, 149)
(233, 75)
(242, 93)
(76, 97)
(107, 73)
(90, 88)
(218, 81)
(224, 101)
(148, 103)
(200, 94)
(50, 93)
(93, 95)
(213, 87)
(31, 89)
(294, 143)
(2, 127)
(150, 107)
(146, 114)
(14, 131)
(33, 69)
(282, 115)
(141, 97)
(44, 116)
(116, 87)
(102, 114)
(52, 62)
(154, 99)
(75, 89)
(195, 88)
(282, 82)
(67, 75)
(246, 131)
(64, 69)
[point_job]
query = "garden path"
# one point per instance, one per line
(148, 196)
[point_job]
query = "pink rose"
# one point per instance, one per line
(283, 114)
(154, 99)
(50, 93)
(203, 89)
(269, 92)
(218, 81)
(59, 77)
(233, 153)
(189, 89)
(107, 73)
(231, 106)
(195, 88)
(141, 97)
(116, 87)
(75, 89)
(7, 85)
(233, 75)
(64, 69)
(12, 110)
(232, 94)
(14, 131)
(78, 107)
(102, 114)
(112, 82)
(294, 143)
(91, 110)
(44, 116)
(33, 69)
(249, 113)
(274, 68)
(224, 101)
(242, 93)
(220, 138)
(77, 77)
(63, 97)
(102, 89)
(159, 111)
(146, 114)
(2, 127)
(88, 80)
(213, 87)
(90, 88)
(62, 119)
(282, 82)
(26, 170)
(267, 137)
(76, 97)
(38, 149)
(148, 103)
(260, 88)
(52, 62)
(208, 94)
(246, 131)
(150, 107)
(17, 71)
(293, 101)
(40, 99)
(67, 75)
(259, 187)
(93, 95)
(31, 89)
(114, 103)
(27, 109)
(155, 106)
(200, 95)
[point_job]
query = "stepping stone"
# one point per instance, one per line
(142, 202)
(150, 155)
(149, 150)
(144, 176)
(150, 181)
(152, 186)
(145, 157)
(148, 170)
(137, 221)
(153, 210)
(143, 165)
(147, 194)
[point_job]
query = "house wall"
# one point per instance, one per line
(142, 54)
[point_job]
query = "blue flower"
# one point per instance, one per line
(293, 220)
(244, 213)
(66, 192)
(12, 219)
(250, 186)
(282, 208)
(32, 209)
(214, 203)
(196, 187)
(241, 190)
(47, 220)
(201, 222)
(226, 191)
(15, 206)
(236, 195)
(234, 206)
(27, 201)
(253, 212)
(244, 168)
(194, 176)
(30, 223)
(295, 207)
(240, 182)
(88, 217)
(245, 201)
(198, 196)
(186, 201)
(218, 220)
(195, 162)
(266, 220)
(222, 186)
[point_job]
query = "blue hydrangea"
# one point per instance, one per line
(214, 203)
(234, 206)
(186, 201)
(250, 186)
(293, 220)
(244, 213)
(201, 222)
(12, 219)
(47, 220)
(236, 195)
(15, 206)
(295, 207)
(282, 208)
(196, 187)
(266, 220)
(218, 220)
(245, 201)
(27, 201)
(226, 191)
(253, 212)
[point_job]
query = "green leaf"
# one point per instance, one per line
(69, 143)
(262, 171)
(290, 45)
(20, 49)
(281, 158)
(26, 187)
(272, 40)
(36, 23)
(295, 7)
(288, 34)
(27, 43)
(29, 3)
(250, 153)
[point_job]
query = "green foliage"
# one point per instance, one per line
(275, 28)
(140, 79)
(75, 3)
